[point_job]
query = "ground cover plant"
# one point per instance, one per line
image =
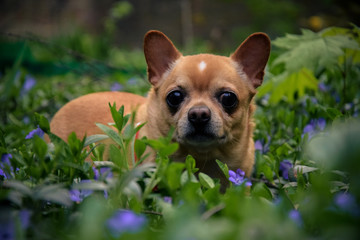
(306, 181)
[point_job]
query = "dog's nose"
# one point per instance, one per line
(199, 114)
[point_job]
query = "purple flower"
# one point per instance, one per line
(8, 223)
(26, 120)
(116, 87)
(258, 145)
(38, 131)
(262, 146)
(28, 84)
(25, 218)
(5, 158)
(315, 126)
(7, 230)
(296, 217)
(167, 199)
(238, 178)
(284, 168)
(346, 202)
(102, 173)
(5, 166)
(323, 87)
(77, 195)
(125, 221)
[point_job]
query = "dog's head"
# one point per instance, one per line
(205, 97)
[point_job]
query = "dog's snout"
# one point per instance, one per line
(199, 115)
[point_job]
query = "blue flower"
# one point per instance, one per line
(38, 131)
(125, 221)
(167, 199)
(295, 216)
(116, 87)
(323, 87)
(102, 173)
(77, 195)
(8, 226)
(28, 84)
(347, 203)
(25, 218)
(7, 230)
(261, 146)
(238, 178)
(6, 170)
(315, 126)
(284, 168)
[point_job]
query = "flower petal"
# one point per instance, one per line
(233, 180)
(125, 221)
(258, 145)
(34, 132)
(232, 174)
(240, 173)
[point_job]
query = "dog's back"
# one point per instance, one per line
(81, 114)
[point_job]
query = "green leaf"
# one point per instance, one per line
(130, 131)
(311, 50)
(140, 148)
(117, 156)
(112, 134)
(287, 85)
(224, 168)
(264, 166)
(95, 138)
(206, 181)
(18, 186)
(185, 177)
(155, 144)
(284, 149)
(333, 113)
(42, 122)
(53, 193)
(191, 165)
(212, 195)
(94, 185)
(173, 174)
(40, 147)
(76, 145)
(118, 116)
(261, 190)
(169, 150)
(301, 169)
(301, 181)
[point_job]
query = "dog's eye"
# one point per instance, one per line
(174, 99)
(228, 100)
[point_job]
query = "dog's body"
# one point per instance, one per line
(206, 98)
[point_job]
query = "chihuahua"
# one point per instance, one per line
(207, 99)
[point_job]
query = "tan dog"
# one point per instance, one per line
(208, 99)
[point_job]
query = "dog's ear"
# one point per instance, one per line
(160, 53)
(252, 55)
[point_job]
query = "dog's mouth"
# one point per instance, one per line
(201, 139)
